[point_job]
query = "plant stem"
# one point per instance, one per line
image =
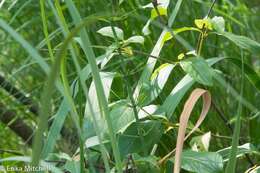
(45, 29)
(204, 30)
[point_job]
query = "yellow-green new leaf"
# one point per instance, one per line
(162, 12)
(203, 22)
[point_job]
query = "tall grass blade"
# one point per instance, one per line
(45, 28)
(98, 84)
(231, 166)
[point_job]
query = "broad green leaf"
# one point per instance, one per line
(122, 115)
(198, 69)
(107, 79)
(243, 42)
(201, 162)
(146, 164)
(241, 151)
(135, 39)
(94, 141)
(218, 23)
(174, 98)
(107, 31)
(162, 12)
(139, 137)
(149, 111)
(72, 166)
(151, 90)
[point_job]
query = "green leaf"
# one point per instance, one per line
(122, 115)
(106, 79)
(201, 162)
(218, 23)
(241, 151)
(135, 39)
(140, 137)
(146, 164)
(173, 99)
(243, 42)
(108, 32)
(72, 166)
(154, 87)
(198, 69)
(94, 141)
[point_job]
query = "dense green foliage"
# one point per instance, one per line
(100, 86)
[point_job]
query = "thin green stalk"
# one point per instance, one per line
(231, 166)
(45, 28)
(204, 30)
(201, 40)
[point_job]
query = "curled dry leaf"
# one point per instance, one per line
(185, 115)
